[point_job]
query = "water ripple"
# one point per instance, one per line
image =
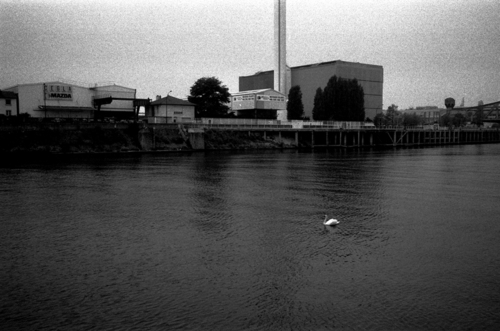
(236, 241)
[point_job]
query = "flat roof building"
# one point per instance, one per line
(263, 103)
(64, 100)
(310, 77)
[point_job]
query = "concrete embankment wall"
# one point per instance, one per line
(88, 138)
(122, 137)
(67, 138)
(134, 137)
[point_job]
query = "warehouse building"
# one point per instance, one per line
(310, 77)
(65, 100)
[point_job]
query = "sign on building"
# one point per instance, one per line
(244, 97)
(58, 92)
(265, 97)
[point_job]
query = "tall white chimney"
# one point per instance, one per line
(280, 46)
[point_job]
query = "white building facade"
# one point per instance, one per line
(264, 103)
(63, 100)
(170, 110)
(8, 103)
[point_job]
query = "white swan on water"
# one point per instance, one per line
(330, 222)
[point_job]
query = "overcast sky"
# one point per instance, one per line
(430, 49)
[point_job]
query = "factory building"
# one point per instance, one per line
(64, 100)
(313, 76)
(263, 103)
(310, 77)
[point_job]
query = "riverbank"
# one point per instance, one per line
(124, 138)
(82, 137)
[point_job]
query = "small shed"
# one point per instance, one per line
(264, 103)
(170, 110)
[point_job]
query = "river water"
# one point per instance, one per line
(235, 241)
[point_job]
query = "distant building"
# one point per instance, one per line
(264, 103)
(62, 100)
(310, 77)
(426, 107)
(428, 114)
(8, 103)
(170, 110)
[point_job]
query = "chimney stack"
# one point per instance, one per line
(280, 46)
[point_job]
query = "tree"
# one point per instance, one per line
(459, 120)
(445, 120)
(470, 117)
(411, 120)
(210, 97)
(330, 98)
(343, 100)
(379, 120)
(478, 120)
(392, 109)
(318, 111)
(295, 107)
(392, 115)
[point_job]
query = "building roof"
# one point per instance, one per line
(170, 100)
(47, 83)
(73, 83)
(7, 95)
(315, 65)
(336, 61)
(255, 92)
(103, 87)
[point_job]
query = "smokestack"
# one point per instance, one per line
(280, 46)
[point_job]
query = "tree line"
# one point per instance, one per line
(393, 117)
(340, 100)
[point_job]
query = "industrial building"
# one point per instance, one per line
(313, 76)
(264, 103)
(65, 100)
(310, 77)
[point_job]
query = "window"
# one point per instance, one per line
(8, 102)
(8, 112)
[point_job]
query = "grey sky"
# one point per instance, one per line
(429, 49)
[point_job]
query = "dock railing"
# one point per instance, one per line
(264, 123)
